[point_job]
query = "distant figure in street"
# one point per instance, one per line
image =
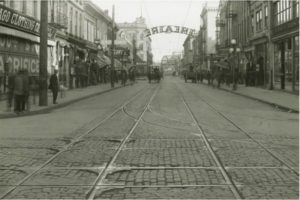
(54, 86)
(21, 90)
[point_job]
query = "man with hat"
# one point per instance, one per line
(54, 86)
(21, 90)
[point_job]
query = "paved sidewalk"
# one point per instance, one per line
(280, 99)
(71, 96)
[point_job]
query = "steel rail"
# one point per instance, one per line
(73, 141)
(101, 176)
(216, 159)
(249, 136)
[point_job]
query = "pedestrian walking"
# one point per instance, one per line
(21, 91)
(10, 93)
(54, 86)
(77, 71)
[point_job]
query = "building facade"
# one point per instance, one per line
(207, 34)
(76, 28)
(141, 50)
(267, 34)
(188, 53)
(285, 38)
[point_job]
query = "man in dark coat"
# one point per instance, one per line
(54, 86)
(21, 90)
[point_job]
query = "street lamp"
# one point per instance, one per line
(234, 50)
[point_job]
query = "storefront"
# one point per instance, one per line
(286, 56)
(19, 47)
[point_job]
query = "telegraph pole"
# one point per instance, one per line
(43, 90)
(112, 70)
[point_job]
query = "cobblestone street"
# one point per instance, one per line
(172, 140)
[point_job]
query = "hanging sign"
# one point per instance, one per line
(170, 29)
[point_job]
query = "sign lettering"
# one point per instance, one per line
(11, 18)
(169, 29)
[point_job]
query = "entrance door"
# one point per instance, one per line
(261, 72)
(282, 75)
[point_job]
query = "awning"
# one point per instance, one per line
(118, 65)
(102, 61)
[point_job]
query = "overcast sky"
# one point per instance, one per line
(159, 12)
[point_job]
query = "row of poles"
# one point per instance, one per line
(43, 84)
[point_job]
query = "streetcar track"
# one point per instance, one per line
(169, 118)
(72, 142)
(213, 154)
(129, 115)
(164, 126)
(103, 173)
(249, 136)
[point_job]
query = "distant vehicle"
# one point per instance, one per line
(154, 73)
(190, 74)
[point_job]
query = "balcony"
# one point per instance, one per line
(58, 20)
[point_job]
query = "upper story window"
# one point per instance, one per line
(35, 8)
(76, 23)
(71, 20)
(283, 11)
(297, 8)
(252, 23)
(11, 3)
(266, 16)
(259, 20)
(24, 7)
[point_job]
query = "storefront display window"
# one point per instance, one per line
(277, 64)
(288, 64)
(296, 62)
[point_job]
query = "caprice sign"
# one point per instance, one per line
(170, 29)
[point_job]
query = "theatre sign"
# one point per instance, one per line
(170, 29)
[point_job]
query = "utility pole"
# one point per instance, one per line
(43, 90)
(112, 70)
(134, 55)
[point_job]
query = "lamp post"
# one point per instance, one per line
(234, 50)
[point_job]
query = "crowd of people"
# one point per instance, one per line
(21, 85)
(253, 75)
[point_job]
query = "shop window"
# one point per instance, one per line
(296, 62)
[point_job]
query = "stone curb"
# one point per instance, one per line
(285, 108)
(281, 107)
(56, 106)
